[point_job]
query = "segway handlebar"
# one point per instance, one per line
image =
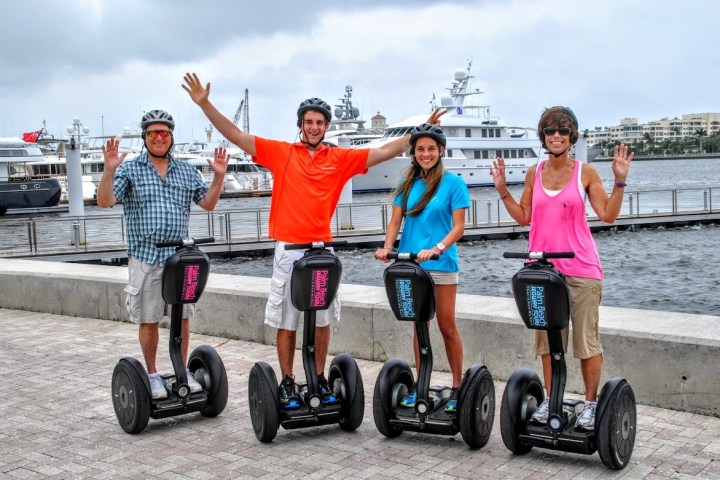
(539, 255)
(408, 256)
(186, 242)
(303, 246)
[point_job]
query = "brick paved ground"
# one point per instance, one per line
(57, 421)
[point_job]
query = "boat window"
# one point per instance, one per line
(484, 133)
(485, 154)
(513, 153)
(449, 153)
(506, 153)
(468, 132)
(478, 154)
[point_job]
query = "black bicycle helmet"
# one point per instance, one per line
(317, 105)
(157, 116)
(427, 130)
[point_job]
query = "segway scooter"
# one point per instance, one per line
(313, 285)
(411, 293)
(183, 281)
(541, 296)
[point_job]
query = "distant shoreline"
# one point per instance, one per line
(687, 156)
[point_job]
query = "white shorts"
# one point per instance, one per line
(279, 311)
(444, 278)
(144, 300)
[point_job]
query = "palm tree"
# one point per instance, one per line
(700, 133)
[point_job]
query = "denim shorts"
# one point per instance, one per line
(585, 295)
(279, 310)
(144, 300)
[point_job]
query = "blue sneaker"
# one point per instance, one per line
(328, 397)
(451, 405)
(289, 399)
(410, 399)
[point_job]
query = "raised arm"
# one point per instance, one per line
(520, 212)
(105, 196)
(201, 96)
(607, 207)
(396, 147)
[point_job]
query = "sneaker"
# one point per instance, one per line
(586, 420)
(157, 387)
(194, 385)
(541, 414)
(451, 405)
(289, 399)
(328, 397)
(410, 399)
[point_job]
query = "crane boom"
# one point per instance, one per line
(242, 111)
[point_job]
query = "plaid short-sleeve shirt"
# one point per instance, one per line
(156, 210)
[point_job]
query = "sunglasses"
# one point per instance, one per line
(549, 131)
(158, 133)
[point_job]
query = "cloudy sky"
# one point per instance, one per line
(108, 61)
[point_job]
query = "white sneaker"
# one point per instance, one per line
(541, 414)
(586, 420)
(157, 386)
(194, 385)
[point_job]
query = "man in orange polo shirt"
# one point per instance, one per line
(308, 178)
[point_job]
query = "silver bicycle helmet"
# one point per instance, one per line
(427, 130)
(317, 105)
(157, 116)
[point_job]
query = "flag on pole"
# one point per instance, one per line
(31, 136)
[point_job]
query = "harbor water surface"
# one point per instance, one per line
(676, 269)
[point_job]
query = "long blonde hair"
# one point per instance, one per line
(415, 172)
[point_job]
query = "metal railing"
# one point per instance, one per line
(45, 235)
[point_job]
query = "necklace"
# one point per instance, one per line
(555, 176)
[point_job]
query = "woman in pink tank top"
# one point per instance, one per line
(553, 204)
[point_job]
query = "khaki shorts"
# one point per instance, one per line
(444, 278)
(279, 310)
(144, 300)
(585, 296)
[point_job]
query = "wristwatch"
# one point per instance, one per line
(440, 246)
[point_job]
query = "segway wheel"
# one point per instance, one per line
(346, 382)
(206, 364)
(617, 427)
(131, 398)
(477, 412)
(394, 380)
(264, 412)
(522, 396)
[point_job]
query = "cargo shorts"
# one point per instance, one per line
(143, 298)
(585, 295)
(279, 310)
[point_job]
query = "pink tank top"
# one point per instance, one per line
(559, 224)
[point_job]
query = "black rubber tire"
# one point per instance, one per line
(206, 358)
(131, 398)
(263, 408)
(382, 407)
(616, 429)
(477, 413)
(529, 389)
(345, 369)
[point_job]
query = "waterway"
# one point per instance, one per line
(674, 269)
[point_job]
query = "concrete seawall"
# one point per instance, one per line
(672, 360)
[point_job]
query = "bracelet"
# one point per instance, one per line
(507, 192)
(620, 184)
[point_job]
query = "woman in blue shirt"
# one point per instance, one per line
(433, 203)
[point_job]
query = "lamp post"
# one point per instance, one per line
(74, 168)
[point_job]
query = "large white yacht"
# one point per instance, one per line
(474, 140)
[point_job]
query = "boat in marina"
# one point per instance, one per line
(347, 127)
(20, 191)
(242, 176)
(474, 140)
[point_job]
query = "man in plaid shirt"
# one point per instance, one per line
(156, 191)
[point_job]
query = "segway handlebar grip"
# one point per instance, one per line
(407, 256)
(304, 246)
(538, 255)
(185, 243)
